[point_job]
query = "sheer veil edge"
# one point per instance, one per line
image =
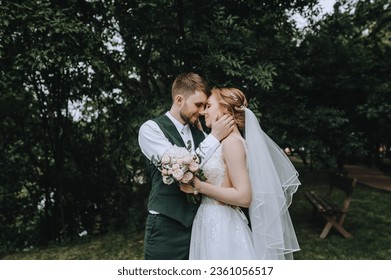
(274, 180)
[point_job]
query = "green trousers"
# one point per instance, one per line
(165, 239)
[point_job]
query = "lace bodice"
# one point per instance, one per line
(214, 168)
(220, 231)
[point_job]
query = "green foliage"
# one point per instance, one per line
(339, 88)
(62, 167)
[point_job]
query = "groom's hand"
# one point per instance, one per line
(222, 127)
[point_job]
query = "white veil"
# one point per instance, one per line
(273, 180)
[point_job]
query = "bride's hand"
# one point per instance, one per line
(186, 188)
(192, 187)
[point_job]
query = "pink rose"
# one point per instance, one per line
(177, 174)
(193, 167)
(166, 159)
(187, 177)
(179, 161)
(187, 160)
(175, 167)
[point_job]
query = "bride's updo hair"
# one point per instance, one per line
(234, 101)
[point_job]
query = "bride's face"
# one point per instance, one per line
(213, 110)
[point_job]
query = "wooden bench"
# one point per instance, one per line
(332, 212)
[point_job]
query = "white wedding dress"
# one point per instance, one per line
(222, 232)
(219, 231)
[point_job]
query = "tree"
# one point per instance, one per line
(340, 72)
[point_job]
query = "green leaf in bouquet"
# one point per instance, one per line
(193, 198)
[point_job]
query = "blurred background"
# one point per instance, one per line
(78, 78)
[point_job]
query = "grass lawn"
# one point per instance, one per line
(368, 220)
(113, 246)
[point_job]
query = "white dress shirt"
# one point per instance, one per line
(153, 142)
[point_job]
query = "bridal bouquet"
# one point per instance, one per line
(180, 164)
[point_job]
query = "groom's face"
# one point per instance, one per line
(192, 107)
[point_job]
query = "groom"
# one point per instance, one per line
(170, 215)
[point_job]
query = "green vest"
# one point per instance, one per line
(169, 200)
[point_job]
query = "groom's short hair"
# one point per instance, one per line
(187, 83)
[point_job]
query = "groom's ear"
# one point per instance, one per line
(179, 99)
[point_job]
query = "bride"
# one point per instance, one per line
(243, 172)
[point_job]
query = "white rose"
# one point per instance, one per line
(168, 180)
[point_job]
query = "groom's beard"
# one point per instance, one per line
(187, 119)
